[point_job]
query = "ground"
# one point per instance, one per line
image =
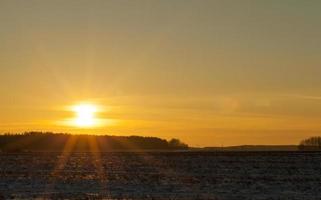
(175, 175)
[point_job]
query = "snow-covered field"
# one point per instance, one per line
(185, 175)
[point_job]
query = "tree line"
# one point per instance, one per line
(48, 141)
(312, 143)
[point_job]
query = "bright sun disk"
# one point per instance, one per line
(85, 115)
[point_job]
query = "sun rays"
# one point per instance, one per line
(68, 150)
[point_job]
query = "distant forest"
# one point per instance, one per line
(311, 144)
(47, 141)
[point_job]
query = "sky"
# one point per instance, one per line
(210, 72)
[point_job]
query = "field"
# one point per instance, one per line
(175, 175)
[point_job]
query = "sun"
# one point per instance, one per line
(85, 115)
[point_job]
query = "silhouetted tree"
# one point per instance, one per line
(176, 143)
(312, 143)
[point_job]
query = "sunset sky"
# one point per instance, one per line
(210, 73)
